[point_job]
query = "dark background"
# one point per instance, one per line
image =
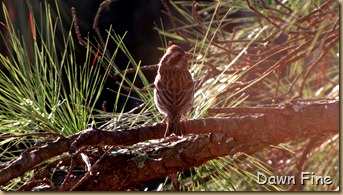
(137, 18)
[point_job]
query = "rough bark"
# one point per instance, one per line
(220, 137)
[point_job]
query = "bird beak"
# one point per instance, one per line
(188, 56)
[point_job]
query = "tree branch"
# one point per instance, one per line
(225, 136)
(244, 134)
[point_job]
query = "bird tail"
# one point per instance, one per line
(173, 126)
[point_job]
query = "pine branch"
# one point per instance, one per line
(220, 137)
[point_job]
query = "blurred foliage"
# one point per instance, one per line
(255, 53)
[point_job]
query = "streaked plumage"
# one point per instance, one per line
(174, 88)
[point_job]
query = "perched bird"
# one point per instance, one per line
(174, 87)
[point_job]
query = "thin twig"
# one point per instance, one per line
(77, 29)
(96, 22)
(88, 174)
(176, 30)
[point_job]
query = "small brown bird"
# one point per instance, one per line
(174, 88)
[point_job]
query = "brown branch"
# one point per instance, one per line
(27, 161)
(312, 14)
(196, 17)
(151, 67)
(84, 43)
(262, 15)
(284, 6)
(331, 42)
(246, 132)
(294, 55)
(314, 143)
(246, 110)
(77, 29)
(316, 62)
(88, 174)
(96, 22)
(71, 170)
